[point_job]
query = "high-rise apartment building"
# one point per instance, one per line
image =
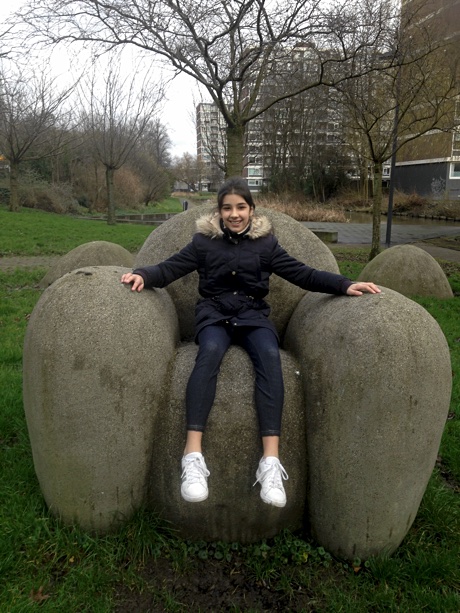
(211, 145)
(292, 137)
(286, 140)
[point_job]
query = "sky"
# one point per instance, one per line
(178, 109)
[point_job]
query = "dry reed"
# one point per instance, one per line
(302, 210)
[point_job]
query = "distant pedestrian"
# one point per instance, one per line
(235, 252)
(185, 205)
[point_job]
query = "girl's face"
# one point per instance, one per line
(235, 212)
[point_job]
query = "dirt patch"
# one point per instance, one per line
(26, 261)
(219, 586)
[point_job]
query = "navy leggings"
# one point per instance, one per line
(262, 347)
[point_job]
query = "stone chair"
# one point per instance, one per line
(368, 383)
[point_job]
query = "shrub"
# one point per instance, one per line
(352, 198)
(412, 202)
(128, 188)
(302, 210)
(53, 198)
(4, 195)
(449, 209)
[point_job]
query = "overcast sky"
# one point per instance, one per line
(177, 109)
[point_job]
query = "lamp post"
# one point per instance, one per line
(391, 189)
(394, 149)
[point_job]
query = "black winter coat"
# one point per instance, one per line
(234, 272)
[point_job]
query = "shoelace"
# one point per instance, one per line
(274, 473)
(194, 470)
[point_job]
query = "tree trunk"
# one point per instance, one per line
(364, 180)
(94, 206)
(376, 210)
(313, 182)
(235, 151)
(111, 220)
(55, 163)
(14, 187)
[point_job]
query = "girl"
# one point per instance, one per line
(235, 252)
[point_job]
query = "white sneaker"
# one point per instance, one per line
(270, 475)
(194, 486)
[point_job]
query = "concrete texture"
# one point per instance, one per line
(377, 380)
(96, 360)
(234, 511)
(409, 271)
(300, 242)
(95, 253)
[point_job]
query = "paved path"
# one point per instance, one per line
(361, 233)
(450, 255)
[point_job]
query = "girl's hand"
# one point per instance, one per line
(358, 289)
(136, 280)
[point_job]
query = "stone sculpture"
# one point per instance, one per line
(94, 253)
(409, 270)
(367, 394)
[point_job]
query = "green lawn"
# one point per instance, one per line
(168, 205)
(55, 568)
(32, 232)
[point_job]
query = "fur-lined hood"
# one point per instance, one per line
(209, 226)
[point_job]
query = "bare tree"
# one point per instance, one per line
(4, 49)
(152, 161)
(8, 42)
(189, 170)
(157, 181)
(33, 121)
(232, 48)
(155, 141)
(297, 141)
(390, 108)
(117, 111)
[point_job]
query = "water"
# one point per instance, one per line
(353, 217)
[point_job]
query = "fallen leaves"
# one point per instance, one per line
(39, 596)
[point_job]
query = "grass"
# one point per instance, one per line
(168, 205)
(32, 232)
(145, 566)
(197, 197)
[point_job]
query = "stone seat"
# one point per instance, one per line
(367, 380)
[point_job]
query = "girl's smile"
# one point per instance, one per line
(236, 212)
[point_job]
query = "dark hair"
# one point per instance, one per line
(238, 186)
